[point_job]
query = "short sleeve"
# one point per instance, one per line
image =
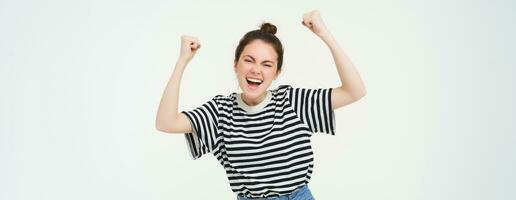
(204, 121)
(313, 107)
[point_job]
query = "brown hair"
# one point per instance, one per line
(266, 34)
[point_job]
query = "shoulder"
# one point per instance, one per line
(281, 92)
(223, 100)
(282, 88)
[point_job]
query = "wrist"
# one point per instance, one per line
(181, 63)
(183, 59)
(328, 39)
(326, 36)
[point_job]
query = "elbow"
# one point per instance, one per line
(363, 94)
(162, 127)
(159, 127)
(168, 126)
(359, 95)
(165, 129)
(355, 93)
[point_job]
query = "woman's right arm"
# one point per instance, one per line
(168, 119)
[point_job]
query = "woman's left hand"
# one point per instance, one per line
(314, 22)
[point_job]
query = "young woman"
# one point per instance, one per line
(261, 137)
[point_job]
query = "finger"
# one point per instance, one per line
(307, 23)
(307, 20)
(306, 17)
(187, 38)
(194, 42)
(195, 46)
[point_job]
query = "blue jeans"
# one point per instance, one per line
(302, 193)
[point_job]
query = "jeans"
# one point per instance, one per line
(302, 193)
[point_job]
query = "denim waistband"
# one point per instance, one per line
(302, 193)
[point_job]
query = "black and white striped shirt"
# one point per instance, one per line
(265, 149)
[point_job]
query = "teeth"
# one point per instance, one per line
(254, 80)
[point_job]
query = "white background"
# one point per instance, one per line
(80, 84)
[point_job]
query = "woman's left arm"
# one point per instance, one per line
(352, 87)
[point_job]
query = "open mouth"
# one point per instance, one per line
(253, 83)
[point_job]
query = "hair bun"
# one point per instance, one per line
(268, 28)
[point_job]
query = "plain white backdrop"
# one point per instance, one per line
(81, 81)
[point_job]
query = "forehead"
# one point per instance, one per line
(260, 50)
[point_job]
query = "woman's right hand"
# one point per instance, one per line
(189, 46)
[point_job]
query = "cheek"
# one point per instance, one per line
(270, 72)
(243, 68)
(241, 71)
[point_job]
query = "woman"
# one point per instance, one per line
(261, 137)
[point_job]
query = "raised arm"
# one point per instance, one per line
(352, 87)
(168, 119)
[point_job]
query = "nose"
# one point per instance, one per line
(255, 69)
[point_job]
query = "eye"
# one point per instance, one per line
(247, 60)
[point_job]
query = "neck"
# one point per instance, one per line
(254, 102)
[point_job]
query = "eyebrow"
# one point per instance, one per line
(255, 59)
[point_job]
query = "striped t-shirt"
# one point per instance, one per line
(265, 149)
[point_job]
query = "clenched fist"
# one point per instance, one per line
(314, 22)
(189, 46)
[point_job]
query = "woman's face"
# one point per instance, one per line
(256, 68)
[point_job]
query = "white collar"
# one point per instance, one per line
(254, 108)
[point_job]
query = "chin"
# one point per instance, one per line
(252, 93)
(256, 92)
